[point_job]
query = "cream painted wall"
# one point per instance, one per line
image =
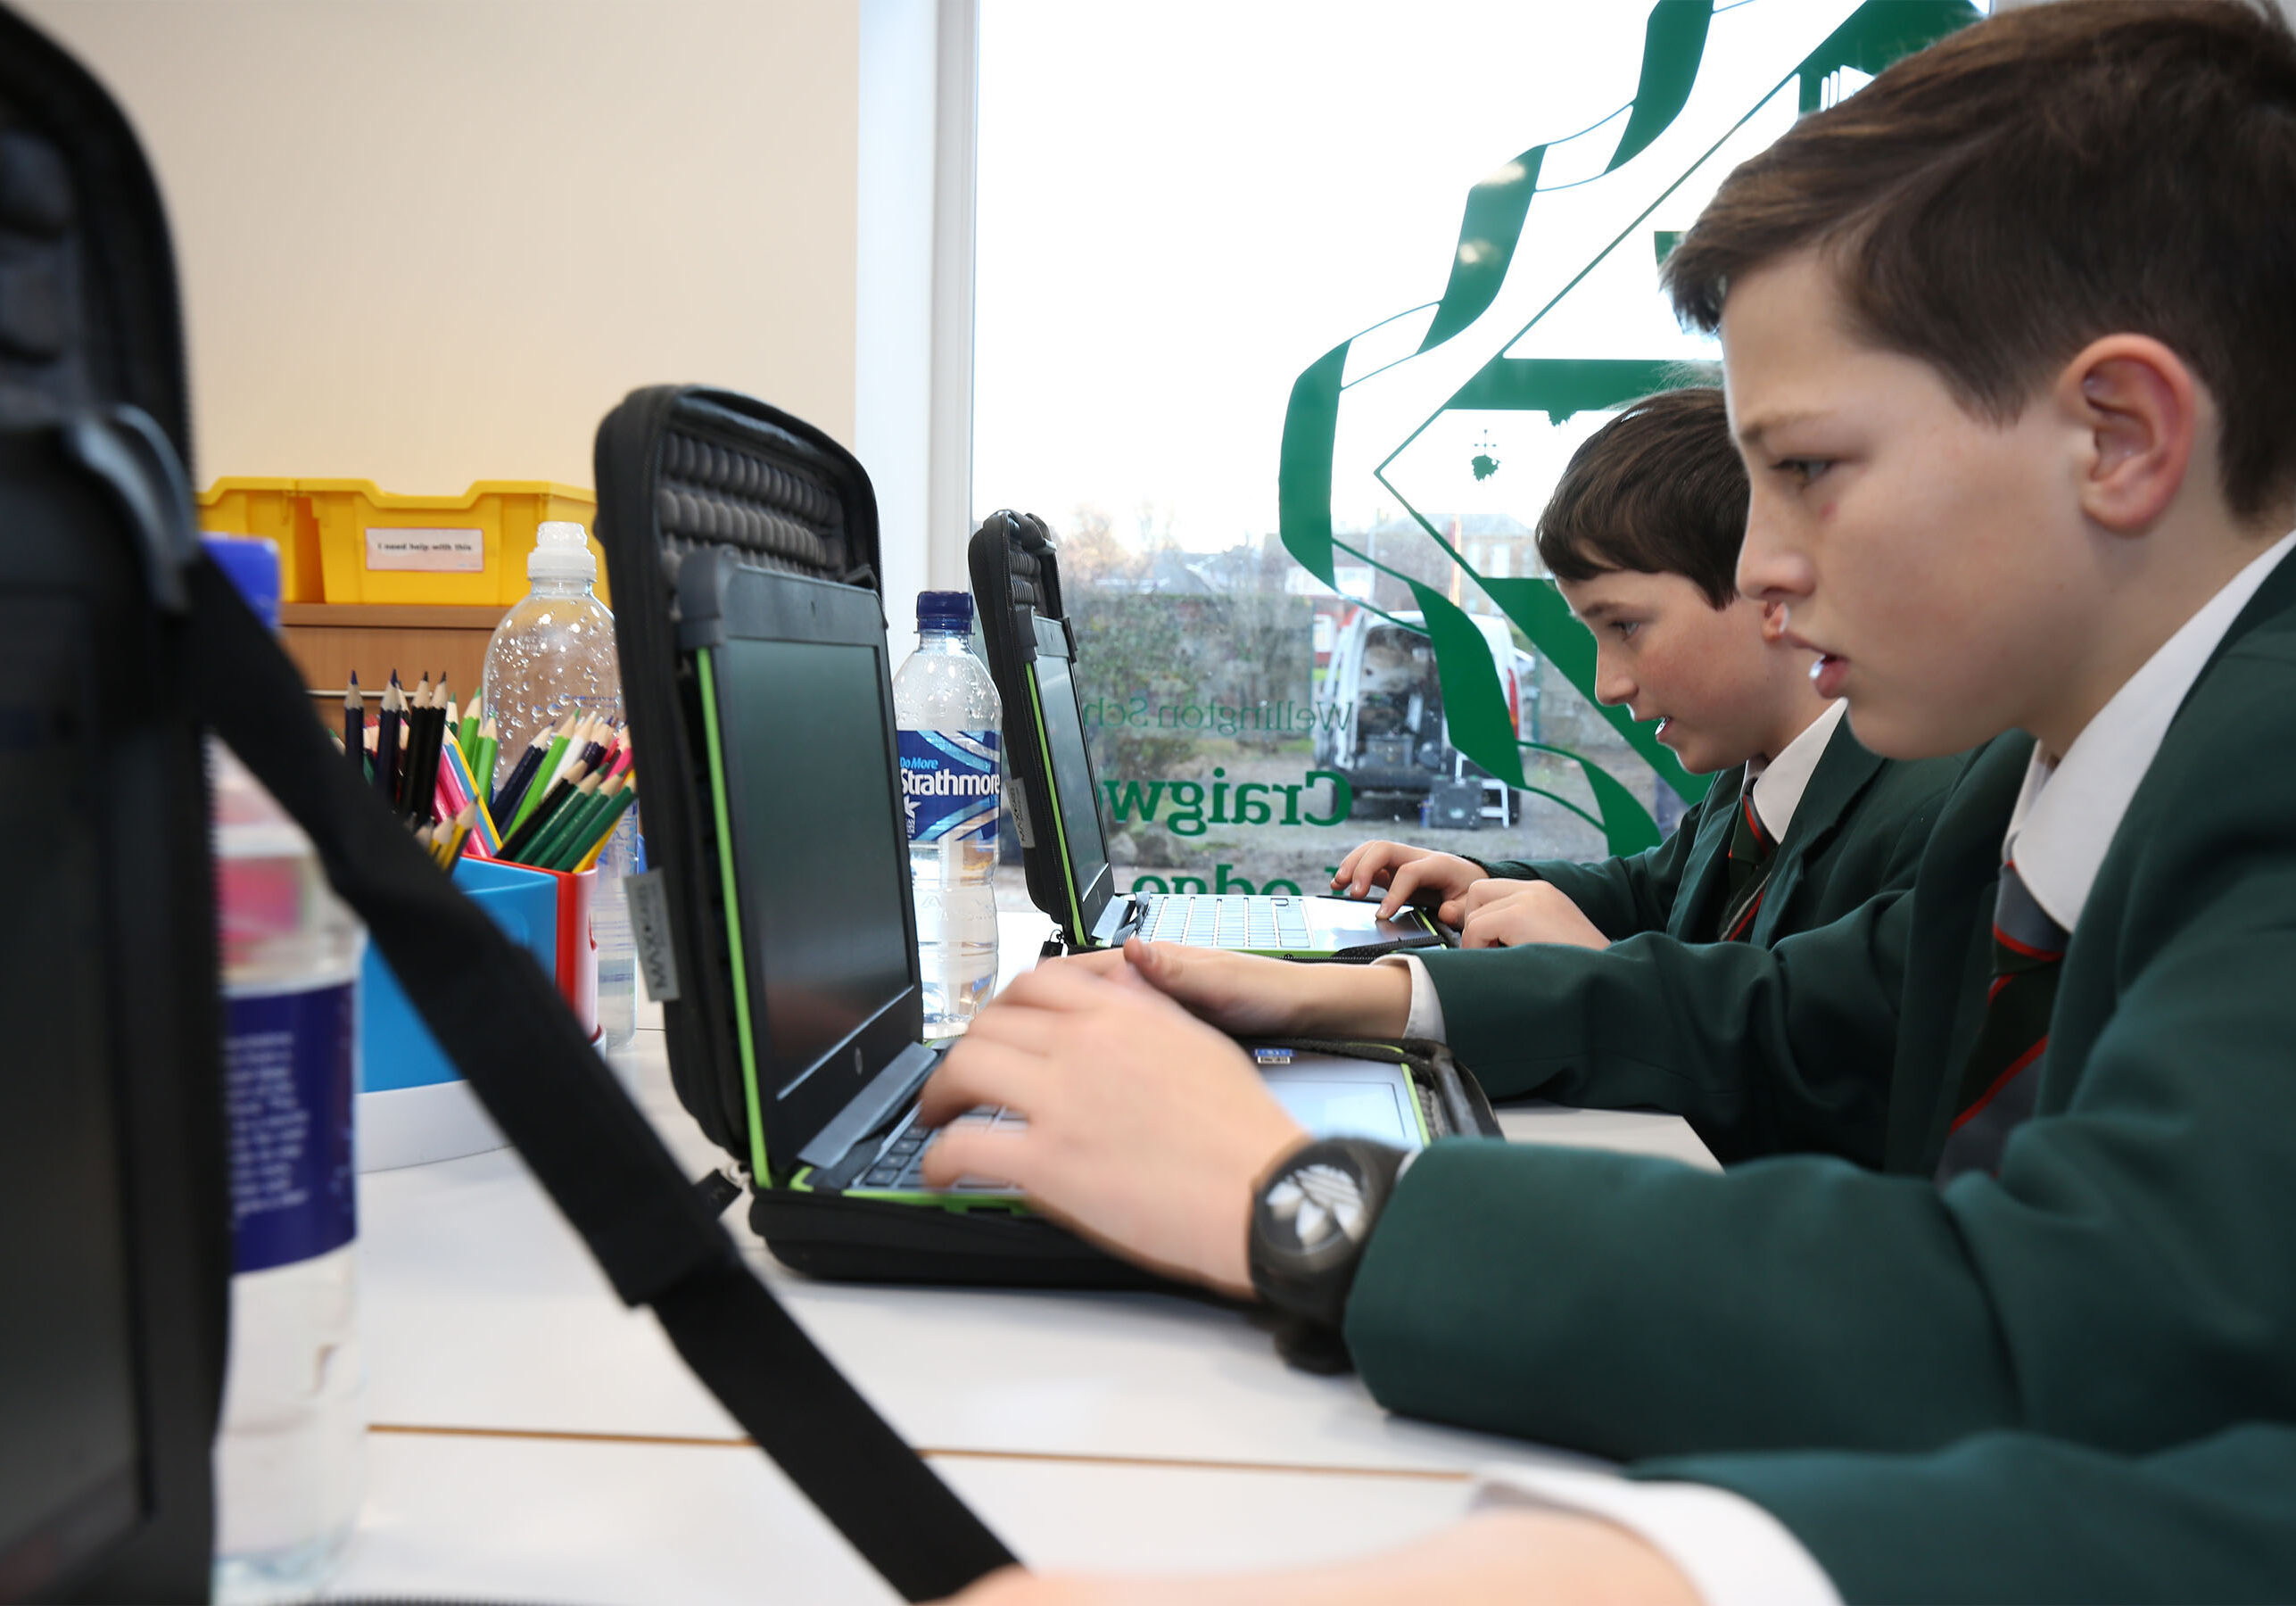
(426, 241)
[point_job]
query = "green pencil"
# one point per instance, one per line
(544, 815)
(468, 735)
(614, 801)
(482, 758)
(544, 772)
(573, 835)
(547, 841)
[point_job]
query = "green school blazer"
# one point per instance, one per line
(1858, 832)
(2016, 1516)
(1534, 1020)
(2128, 1281)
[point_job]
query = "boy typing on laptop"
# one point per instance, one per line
(2005, 340)
(1642, 535)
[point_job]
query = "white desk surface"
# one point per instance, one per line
(534, 1438)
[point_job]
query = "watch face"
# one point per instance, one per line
(1316, 1203)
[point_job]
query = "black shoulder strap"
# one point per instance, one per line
(499, 1019)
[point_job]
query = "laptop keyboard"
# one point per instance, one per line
(1224, 920)
(899, 1165)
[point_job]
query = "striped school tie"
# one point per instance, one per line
(1999, 1079)
(1752, 852)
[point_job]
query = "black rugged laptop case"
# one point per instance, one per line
(1016, 578)
(121, 646)
(1012, 557)
(689, 474)
(686, 470)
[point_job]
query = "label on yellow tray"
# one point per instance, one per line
(434, 552)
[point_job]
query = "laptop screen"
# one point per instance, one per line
(1070, 763)
(818, 848)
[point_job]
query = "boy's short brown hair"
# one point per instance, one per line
(2042, 179)
(1659, 490)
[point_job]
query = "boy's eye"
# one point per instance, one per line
(1625, 628)
(1801, 470)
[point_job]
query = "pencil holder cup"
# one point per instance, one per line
(414, 1107)
(576, 956)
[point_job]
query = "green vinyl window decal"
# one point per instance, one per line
(1561, 227)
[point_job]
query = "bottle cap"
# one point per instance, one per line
(561, 552)
(251, 564)
(944, 610)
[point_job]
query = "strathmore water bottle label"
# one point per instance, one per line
(949, 783)
(287, 1079)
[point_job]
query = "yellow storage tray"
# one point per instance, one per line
(272, 508)
(378, 547)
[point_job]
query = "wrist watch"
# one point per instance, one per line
(1309, 1224)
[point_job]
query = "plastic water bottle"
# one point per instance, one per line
(290, 1459)
(951, 785)
(554, 652)
(624, 855)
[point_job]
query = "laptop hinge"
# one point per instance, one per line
(887, 1091)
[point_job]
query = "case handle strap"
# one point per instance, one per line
(501, 1020)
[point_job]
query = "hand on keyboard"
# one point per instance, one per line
(1146, 1129)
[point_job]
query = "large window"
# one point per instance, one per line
(1288, 317)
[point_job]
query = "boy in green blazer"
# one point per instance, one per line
(1642, 535)
(2006, 336)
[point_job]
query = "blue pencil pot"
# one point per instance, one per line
(413, 1105)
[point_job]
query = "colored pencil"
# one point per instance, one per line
(615, 800)
(547, 774)
(539, 815)
(466, 732)
(482, 825)
(577, 744)
(513, 789)
(387, 743)
(549, 842)
(354, 724)
(601, 735)
(482, 758)
(452, 834)
(422, 797)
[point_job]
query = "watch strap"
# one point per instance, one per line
(1310, 1220)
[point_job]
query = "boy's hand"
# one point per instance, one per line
(1411, 875)
(1252, 995)
(1508, 913)
(1148, 1131)
(1494, 1556)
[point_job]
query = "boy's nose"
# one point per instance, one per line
(1612, 685)
(1770, 568)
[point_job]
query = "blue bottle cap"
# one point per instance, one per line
(944, 610)
(251, 564)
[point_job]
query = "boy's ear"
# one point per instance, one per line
(2141, 408)
(1773, 622)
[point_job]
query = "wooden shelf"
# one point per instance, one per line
(393, 616)
(329, 641)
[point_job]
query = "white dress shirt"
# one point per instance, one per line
(1778, 785)
(1732, 1550)
(2071, 806)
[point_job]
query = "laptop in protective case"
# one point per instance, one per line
(1055, 796)
(777, 925)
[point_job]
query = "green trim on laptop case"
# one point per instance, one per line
(1060, 821)
(758, 1166)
